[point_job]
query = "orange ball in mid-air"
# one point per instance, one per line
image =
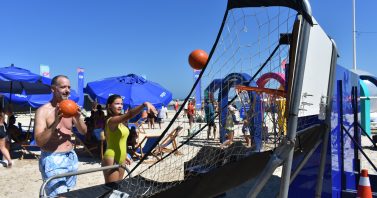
(198, 59)
(68, 108)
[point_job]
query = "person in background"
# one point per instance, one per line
(15, 132)
(98, 121)
(144, 114)
(229, 127)
(132, 141)
(209, 111)
(3, 141)
(190, 114)
(235, 114)
(8, 113)
(185, 107)
(162, 115)
(52, 133)
(176, 105)
(246, 132)
(90, 128)
(151, 119)
(117, 134)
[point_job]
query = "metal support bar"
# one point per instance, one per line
(340, 122)
(365, 133)
(326, 136)
(355, 130)
(277, 158)
(42, 192)
(361, 149)
(321, 172)
(299, 71)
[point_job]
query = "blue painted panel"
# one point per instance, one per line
(348, 80)
(305, 182)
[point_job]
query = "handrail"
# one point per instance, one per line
(42, 192)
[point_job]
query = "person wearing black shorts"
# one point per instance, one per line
(151, 118)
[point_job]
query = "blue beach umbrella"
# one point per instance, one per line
(134, 90)
(17, 80)
(18, 99)
(35, 100)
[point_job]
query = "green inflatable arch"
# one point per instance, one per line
(365, 107)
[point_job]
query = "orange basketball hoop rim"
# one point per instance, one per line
(261, 90)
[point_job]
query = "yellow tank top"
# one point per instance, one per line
(116, 142)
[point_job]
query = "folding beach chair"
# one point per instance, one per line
(170, 139)
(79, 140)
(162, 147)
(141, 149)
(139, 124)
(30, 149)
(29, 132)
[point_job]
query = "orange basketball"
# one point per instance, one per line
(68, 108)
(198, 59)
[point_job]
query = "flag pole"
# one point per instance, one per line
(354, 34)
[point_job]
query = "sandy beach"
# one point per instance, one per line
(24, 179)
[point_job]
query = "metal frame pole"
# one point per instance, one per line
(330, 92)
(294, 108)
(354, 33)
(356, 159)
(340, 122)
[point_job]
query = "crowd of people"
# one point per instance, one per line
(53, 132)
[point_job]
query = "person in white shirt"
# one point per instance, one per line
(162, 115)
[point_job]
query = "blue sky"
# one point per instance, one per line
(151, 38)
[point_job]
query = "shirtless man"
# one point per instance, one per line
(53, 134)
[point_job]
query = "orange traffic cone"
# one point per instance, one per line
(364, 190)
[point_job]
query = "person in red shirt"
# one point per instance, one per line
(176, 105)
(190, 113)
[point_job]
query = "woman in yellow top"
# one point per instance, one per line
(116, 135)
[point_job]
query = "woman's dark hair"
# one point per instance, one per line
(109, 101)
(99, 107)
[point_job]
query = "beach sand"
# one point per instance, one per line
(24, 179)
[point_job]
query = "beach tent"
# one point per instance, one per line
(134, 90)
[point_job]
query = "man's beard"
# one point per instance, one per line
(64, 97)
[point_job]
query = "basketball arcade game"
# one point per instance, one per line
(253, 40)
